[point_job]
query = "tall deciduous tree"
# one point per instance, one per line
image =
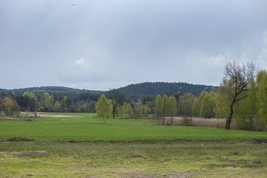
(48, 102)
(103, 107)
(158, 108)
(116, 99)
(245, 110)
(185, 104)
(262, 98)
(10, 106)
(31, 102)
(207, 104)
(126, 110)
(165, 106)
(173, 107)
(235, 85)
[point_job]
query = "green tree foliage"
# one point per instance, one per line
(245, 110)
(31, 101)
(48, 102)
(158, 106)
(185, 104)
(116, 99)
(207, 104)
(57, 106)
(10, 106)
(64, 103)
(222, 102)
(262, 98)
(172, 107)
(126, 110)
(103, 107)
(140, 110)
(195, 107)
(165, 106)
(135, 91)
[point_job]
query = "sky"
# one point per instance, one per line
(105, 44)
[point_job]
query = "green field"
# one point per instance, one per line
(83, 146)
(86, 127)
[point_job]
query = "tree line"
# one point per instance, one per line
(12, 103)
(241, 98)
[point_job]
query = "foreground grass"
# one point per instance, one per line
(102, 159)
(79, 145)
(85, 127)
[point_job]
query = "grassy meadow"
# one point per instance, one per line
(80, 145)
(86, 127)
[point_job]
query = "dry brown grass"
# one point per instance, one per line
(197, 121)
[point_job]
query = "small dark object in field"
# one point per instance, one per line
(259, 141)
(235, 153)
(254, 164)
(257, 162)
(72, 141)
(19, 139)
(28, 120)
(34, 154)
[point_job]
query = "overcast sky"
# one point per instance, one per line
(104, 44)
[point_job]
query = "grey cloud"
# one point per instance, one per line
(125, 42)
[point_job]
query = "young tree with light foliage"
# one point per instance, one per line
(31, 102)
(185, 104)
(222, 102)
(262, 98)
(48, 102)
(10, 106)
(158, 106)
(245, 110)
(173, 107)
(126, 110)
(207, 104)
(165, 106)
(140, 110)
(103, 107)
(57, 106)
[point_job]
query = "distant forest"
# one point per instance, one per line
(152, 89)
(63, 99)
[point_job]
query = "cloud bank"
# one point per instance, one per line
(101, 44)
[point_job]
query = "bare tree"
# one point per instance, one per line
(235, 84)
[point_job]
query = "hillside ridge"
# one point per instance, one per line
(132, 90)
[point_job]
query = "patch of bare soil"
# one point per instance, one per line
(236, 164)
(30, 154)
(259, 141)
(144, 175)
(33, 154)
(19, 139)
(195, 121)
(52, 115)
(44, 114)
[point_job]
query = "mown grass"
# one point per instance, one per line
(86, 127)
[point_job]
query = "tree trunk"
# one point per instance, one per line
(172, 120)
(114, 112)
(229, 118)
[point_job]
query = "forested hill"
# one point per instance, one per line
(131, 91)
(154, 88)
(54, 90)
